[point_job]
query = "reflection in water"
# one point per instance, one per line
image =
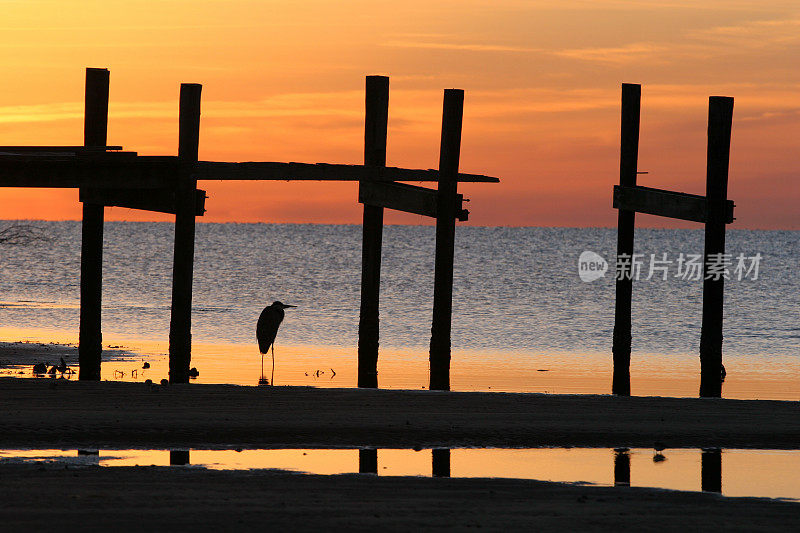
(179, 457)
(440, 462)
(367, 461)
(711, 470)
(405, 368)
(622, 466)
(759, 473)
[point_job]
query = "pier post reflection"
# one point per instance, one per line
(711, 470)
(440, 462)
(179, 457)
(367, 461)
(622, 467)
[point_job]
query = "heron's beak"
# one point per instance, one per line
(285, 306)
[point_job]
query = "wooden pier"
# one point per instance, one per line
(108, 176)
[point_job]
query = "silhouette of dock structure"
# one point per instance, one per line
(714, 210)
(108, 176)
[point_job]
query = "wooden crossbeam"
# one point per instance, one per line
(159, 200)
(122, 172)
(131, 171)
(56, 149)
(208, 170)
(406, 198)
(679, 205)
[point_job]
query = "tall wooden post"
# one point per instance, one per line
(375, 126)
(628, 164)
(180, 326)
(95, 133)
(720, 119)
(711, 470)
(449, 154)
(440, 462)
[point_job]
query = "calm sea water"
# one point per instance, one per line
(517, 290)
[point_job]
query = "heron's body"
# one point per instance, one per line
(267, 328)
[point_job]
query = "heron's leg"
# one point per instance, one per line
(272, 377)
(262, 366)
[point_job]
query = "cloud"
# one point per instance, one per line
(633, 52)
(471, 47)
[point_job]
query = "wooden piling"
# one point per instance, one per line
(367, 461)
(628, 164)
(622, 467)
(95, 133)
(440, 462)
(711, 470)
(720, 119)
(449, 154)
(180, 326)
(375, 131)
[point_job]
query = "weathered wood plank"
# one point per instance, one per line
(720, 121)
(628, 167)
(210, 170)
(159, 200)
(679, 205)
(376, 118)
(406, 198)
(56, 149)
(145, 172)
(449, 155)
(95, 133)
(180, 324)
(127, 170)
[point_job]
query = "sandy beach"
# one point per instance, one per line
(42, 413)
(101, 414)
(164, 499)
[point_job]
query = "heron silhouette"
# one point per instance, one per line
(266, 330)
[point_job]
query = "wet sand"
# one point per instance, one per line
(55, 412)
(179, 499)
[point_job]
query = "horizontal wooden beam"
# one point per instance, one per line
(679, 205)
(209, 170)
(159, 200)
(56, 149)
(101, 171)
(127, 170)
(406, 198)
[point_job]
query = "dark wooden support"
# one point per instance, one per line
(622, 467)
(406, 198)
(158, 200)
(670, 204)
(440, 462)
(720, 119)
(375, 132)
(213, 170)
(95, 132)
(628, 163)
(367, 461)
(449, 154)
(711, 470)
(180, 326)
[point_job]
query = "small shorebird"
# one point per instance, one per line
(266, 330)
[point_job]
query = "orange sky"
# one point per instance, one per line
(283, 81)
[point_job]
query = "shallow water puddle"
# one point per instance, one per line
(759, 473)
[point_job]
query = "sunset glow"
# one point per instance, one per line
(283, 81)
